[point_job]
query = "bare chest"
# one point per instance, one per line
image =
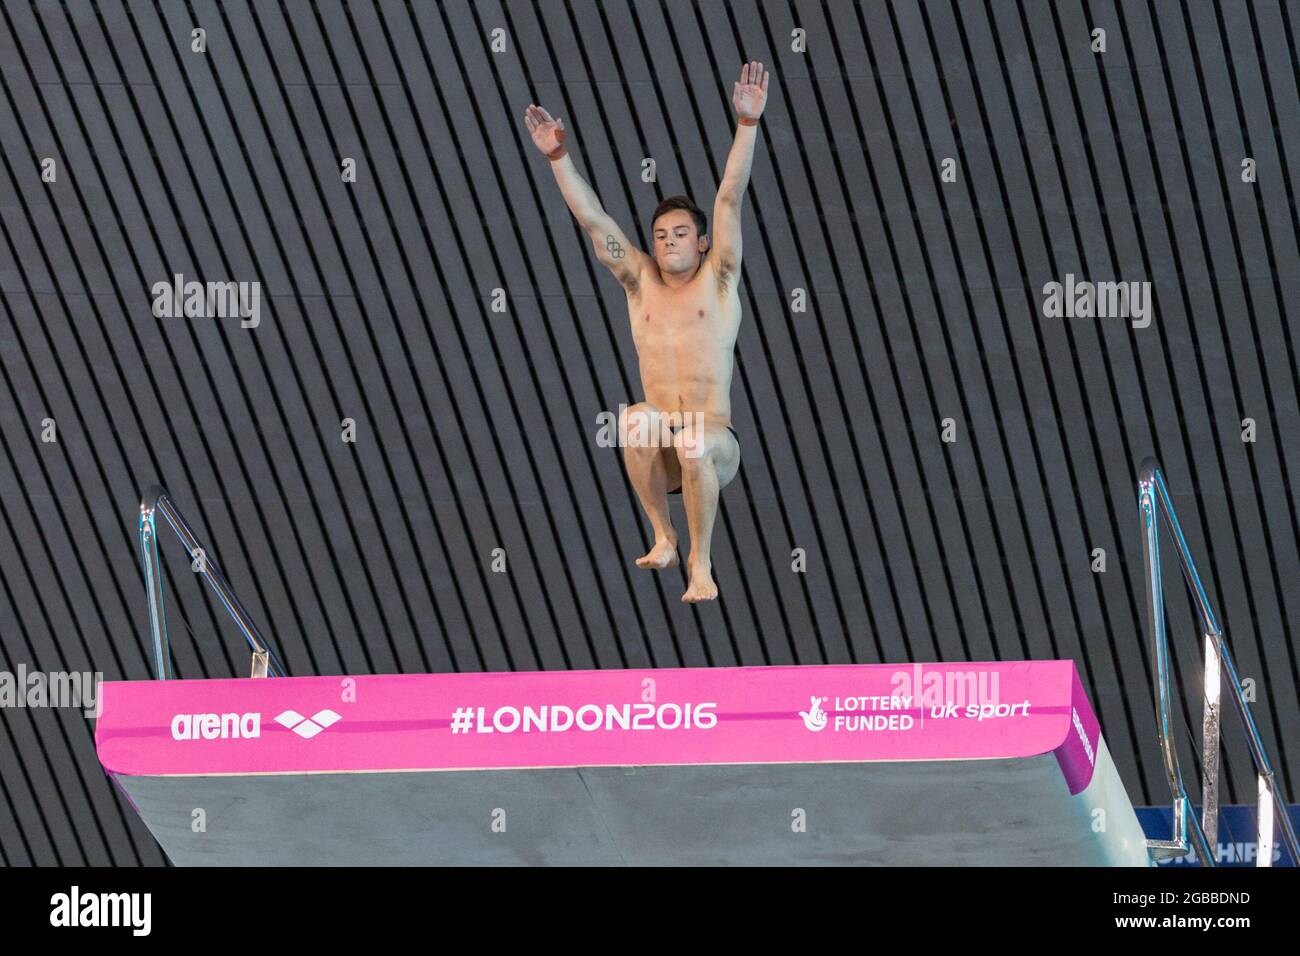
(693, 316)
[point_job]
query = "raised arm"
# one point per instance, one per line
(612, 246)
(749, 96)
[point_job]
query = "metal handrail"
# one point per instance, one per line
(1153, 498)
(156, 499)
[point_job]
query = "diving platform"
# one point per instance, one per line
(876, 765)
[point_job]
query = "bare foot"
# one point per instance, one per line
(662, 555)
(701, 587)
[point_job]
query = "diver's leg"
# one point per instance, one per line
(709, 457)
(651, 462)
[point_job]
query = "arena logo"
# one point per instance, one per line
(1100, 300)
(308, 727)
(216, 726)
(51, 689)
(210, 300)
(74, 909)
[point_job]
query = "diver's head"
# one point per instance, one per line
(678, 229)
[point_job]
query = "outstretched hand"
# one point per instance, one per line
(548, 133)
(749, 96)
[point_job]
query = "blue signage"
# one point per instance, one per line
(1237, 835)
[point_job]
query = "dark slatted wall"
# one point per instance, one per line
(476, 427)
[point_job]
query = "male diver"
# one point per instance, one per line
(684, 308)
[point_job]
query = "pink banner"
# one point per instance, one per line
(876, 712)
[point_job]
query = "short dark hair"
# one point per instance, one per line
(681, 202)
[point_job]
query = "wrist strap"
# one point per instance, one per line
(746, 121)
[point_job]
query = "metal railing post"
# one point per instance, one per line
(153, 581)
(1210, 745)
(157, 501)
(1149, 509)
(1153, 500)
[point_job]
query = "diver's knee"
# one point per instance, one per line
(639, 426)
(693, 448)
